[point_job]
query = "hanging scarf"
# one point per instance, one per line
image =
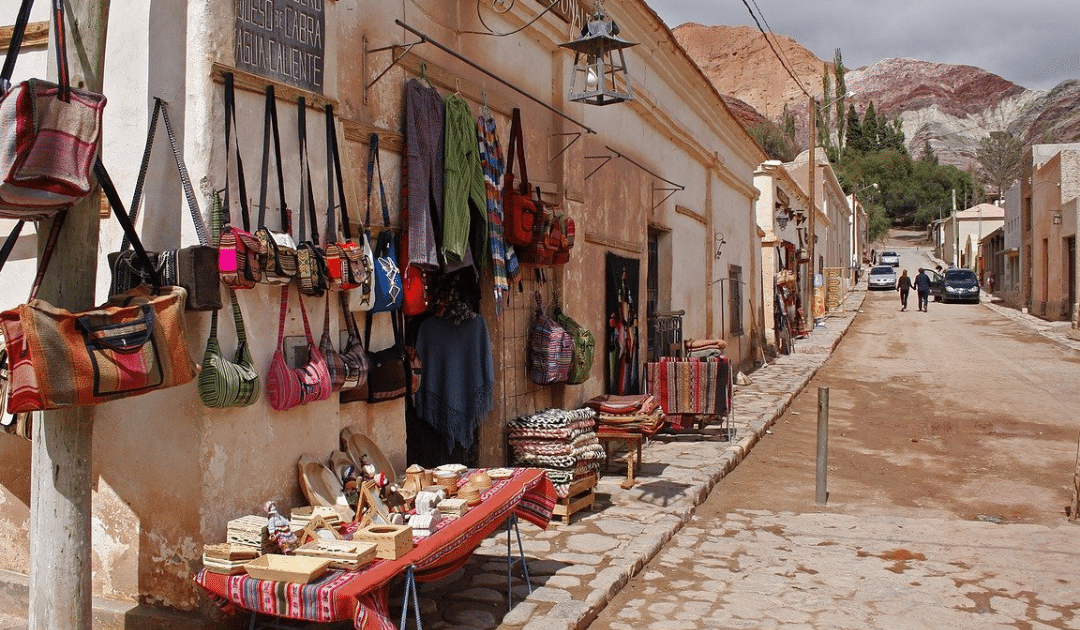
(491, 159)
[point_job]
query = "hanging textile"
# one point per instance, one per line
(491, 159)
(465, 198)
(623, 275)
(424, 165)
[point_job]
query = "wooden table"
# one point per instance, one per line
(361, 596)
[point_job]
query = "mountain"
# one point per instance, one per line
(951, 106)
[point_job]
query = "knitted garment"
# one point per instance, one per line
(464, 195)
(459, 377)
(424, 164)
(491, 159)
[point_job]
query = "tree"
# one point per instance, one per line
(928, 154)
(870, 128)
(841, 94)
(1001, 159)
(856, 140)
(774, 141)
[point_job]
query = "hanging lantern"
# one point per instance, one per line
(782, 219)
(600, 76)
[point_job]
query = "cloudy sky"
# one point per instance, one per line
(1035, 43)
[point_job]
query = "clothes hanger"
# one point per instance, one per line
(484, 111)
(423, 74)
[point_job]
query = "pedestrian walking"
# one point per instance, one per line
(903, 285)
(922, 285)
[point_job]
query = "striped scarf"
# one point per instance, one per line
(491, 159)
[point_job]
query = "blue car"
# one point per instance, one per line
(959, 285)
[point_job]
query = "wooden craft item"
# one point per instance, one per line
(280, 568)
(316, 529)
(391, 541)
(363, 451)
(348, 555)
(321, 486)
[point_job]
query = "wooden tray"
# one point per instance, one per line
(297, 569)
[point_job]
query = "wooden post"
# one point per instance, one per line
(808, 304)
(61, 468)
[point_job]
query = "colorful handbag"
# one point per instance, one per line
(312, 275)
(393, 372)
(239, 252)
(354, 356)
(288, 387)
(278, 261)
(520, 213)
(196, 267)
(133, 344)
(387, 285)
(224, 383)
(584, 346)
(551, 349)
(349, 263)
(335, 364)
(51, 133)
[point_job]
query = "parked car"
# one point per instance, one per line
(889, 258)
(959, 285)
(881, 277)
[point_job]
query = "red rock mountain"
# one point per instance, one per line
(950, 106)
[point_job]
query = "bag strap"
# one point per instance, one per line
(270, 126)
(517, 144)
(373, 164)
(333, 175)
(15, 44)
(303, 314)
(347, 315)
(109, 189)
(241, 184)
(281, 314)
(307, 195)
(399, 333)
(185, 180)
(238, 320)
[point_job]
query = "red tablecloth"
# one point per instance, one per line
(362, 595)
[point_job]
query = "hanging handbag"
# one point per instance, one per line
(551, 349)
(196, 267)
(349, 263)
(239, 252)
(553, 236)
(133, 344)
(312, 276)
(335, 364)
(387, 285)
(520, 213)
(51, 133)
(393, 372)
(20, 424)
(354, 356)
(584, 346)
(223, 382)
(278, 260)
(288, 387)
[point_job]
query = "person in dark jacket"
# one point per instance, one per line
(903, 285)
(922, 285)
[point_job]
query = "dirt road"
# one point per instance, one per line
(952, 442)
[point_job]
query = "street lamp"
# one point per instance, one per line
(600, 76)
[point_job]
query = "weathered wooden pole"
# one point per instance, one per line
(822, 444)
(61, 468)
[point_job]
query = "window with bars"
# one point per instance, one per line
(736, 299)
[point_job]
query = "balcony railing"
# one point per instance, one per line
(665, 334)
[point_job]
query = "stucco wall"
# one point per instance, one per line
(170, 473)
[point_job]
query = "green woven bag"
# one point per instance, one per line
(225, 383)
(584, 343)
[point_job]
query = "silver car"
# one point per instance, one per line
(882, 277)
(889, 258)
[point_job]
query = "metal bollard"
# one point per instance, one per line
(822, 444)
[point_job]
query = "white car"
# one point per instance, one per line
(889, 258)
(882, 277)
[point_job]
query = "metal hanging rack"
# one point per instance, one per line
(425, 39)
(607, 158)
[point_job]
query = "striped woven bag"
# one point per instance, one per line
(225, 383)
(288, 387)
(551, 349)
(335, 364)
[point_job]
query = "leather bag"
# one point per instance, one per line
(51, 133)
(288, 387)
(520, 212)
(312, 274)
(349, 262)
(133, 344)
(354, 356)
(195, 267)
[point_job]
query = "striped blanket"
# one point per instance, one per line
(691, 386)
(361, 596)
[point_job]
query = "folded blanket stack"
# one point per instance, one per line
(618, 414)
(704, 348)
(563, 442)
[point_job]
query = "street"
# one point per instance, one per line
(952, 445)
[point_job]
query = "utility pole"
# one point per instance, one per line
(62, 466)
(808, 305)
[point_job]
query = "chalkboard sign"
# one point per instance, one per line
(282, 40)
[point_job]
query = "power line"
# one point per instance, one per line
(775, 52)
